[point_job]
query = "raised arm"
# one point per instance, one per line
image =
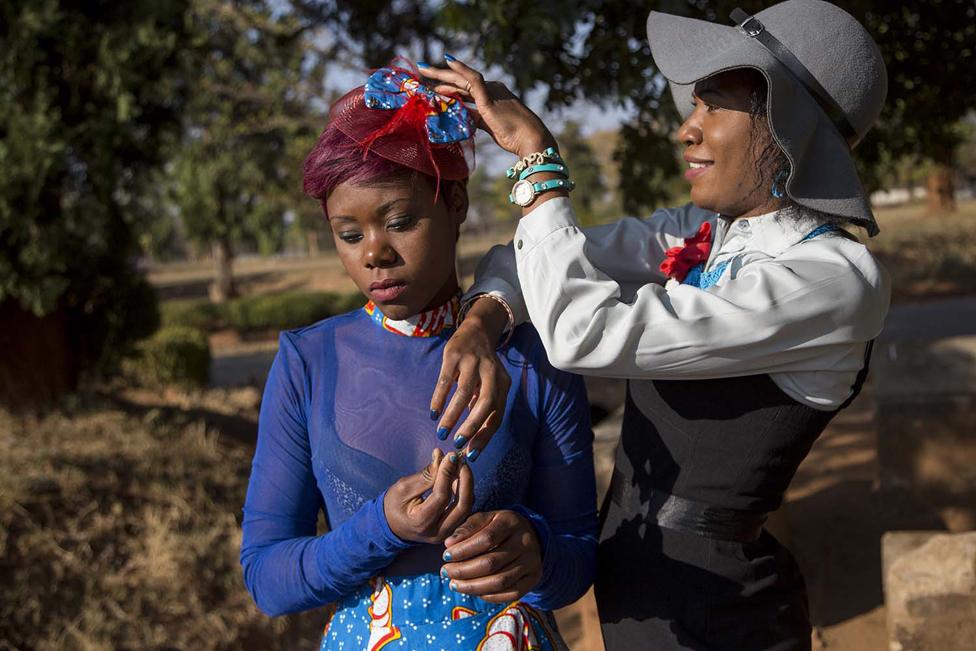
(773, 315)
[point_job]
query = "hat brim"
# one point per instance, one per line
(823, 176)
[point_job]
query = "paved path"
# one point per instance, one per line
(950, 317)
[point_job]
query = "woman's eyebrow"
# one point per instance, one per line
(389, 205)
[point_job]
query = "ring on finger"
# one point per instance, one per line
(467, 87)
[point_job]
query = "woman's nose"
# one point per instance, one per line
(690, 131)
(378, 253)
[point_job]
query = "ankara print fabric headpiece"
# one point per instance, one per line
(398, 117)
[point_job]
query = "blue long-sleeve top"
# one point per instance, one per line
(345, 415)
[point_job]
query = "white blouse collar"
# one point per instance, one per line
(773, 232)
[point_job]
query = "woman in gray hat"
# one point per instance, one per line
(743, 321)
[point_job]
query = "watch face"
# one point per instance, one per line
(523, 192)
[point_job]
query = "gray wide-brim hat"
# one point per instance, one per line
(827, 83)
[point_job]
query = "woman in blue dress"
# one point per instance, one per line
(425, 549)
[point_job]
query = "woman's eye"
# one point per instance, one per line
(350, 237)
(401, 223)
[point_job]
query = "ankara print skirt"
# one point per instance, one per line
(422, 613)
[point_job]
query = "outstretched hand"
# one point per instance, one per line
(413, 517)
(470, 360)
(512, 125)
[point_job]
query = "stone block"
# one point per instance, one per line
(930, 590)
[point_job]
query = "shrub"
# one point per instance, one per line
(283, 311)
(197, 313)
(175, 355)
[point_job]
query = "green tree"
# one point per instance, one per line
(597, 49)
(590, 197)
(235, 175)
(89, 95)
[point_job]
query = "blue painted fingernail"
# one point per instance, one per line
(447, 556)
(434, 414)
(452, 457)
(442, 433)
(444, 573)
(449, 57)
(423, 64)
(473, 454)
(453, 585)
(459, 441)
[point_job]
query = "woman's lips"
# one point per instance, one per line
(385, 291)
(696, 169)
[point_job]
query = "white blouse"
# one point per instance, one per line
(801, 311)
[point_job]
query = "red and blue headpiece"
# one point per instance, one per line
(398, 117)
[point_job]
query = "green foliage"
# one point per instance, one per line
(590, 196)
(248, 125)
(597, 50)
(174, 355)
(257, 313)
(283, 311)
(89, 96)
(197, 313)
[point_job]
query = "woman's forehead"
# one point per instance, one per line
(359, 200)
(731, 89)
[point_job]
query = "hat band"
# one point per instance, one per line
(751, 27)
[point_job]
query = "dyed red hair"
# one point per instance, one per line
(345, 152)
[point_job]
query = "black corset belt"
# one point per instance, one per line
(672, 512)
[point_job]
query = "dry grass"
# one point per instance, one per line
(118, 530)
(928, 256)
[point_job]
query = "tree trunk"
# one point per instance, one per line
(223, 287)
(941, 190)
(312, 238)
(37, 365)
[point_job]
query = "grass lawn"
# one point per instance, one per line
(928, 256)
(119, 528)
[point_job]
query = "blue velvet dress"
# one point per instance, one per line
(345, 414)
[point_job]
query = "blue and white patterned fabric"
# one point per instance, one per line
(447, 118)
(423, 614)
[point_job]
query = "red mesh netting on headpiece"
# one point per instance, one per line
(400, 136)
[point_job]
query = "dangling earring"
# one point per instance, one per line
(776, 190)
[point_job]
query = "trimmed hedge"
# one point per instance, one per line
(263, 312)
(197, 313)
(284, 311)
(174, 355)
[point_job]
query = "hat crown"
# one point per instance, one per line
(837, 50)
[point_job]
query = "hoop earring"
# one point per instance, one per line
(776, 190)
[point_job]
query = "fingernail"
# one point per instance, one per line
(452, 457)
(442, 433)
(453, 585)
(473, 454)
(447, 556)
(423, 64)
(459, 441)
(434, 414)
(449, 57)
(444, 573)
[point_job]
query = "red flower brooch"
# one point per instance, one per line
(679, 260)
